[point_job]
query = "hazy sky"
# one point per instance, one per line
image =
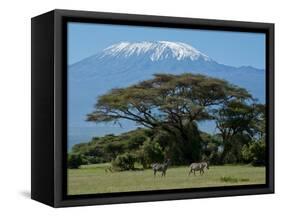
(230, 48)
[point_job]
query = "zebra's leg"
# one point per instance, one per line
(190, 172)
(194, 172)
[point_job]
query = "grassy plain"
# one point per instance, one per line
(93, 179)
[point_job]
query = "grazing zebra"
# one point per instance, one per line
(161, 167)
(198, 167)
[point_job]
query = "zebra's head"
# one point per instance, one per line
(207, 165)
(168, 161)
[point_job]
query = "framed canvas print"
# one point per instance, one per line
(131, 108)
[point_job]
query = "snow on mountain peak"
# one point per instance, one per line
(155, 50)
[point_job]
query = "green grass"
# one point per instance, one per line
(93, 179)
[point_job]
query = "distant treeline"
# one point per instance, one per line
(169, 108)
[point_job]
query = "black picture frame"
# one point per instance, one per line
(49, 107)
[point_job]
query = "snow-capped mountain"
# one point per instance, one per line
(155, 51)
(126, 58)
(126, 63)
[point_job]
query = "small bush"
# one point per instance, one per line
(124, 161)
(75, 161)
(229, 179)
(233, 179)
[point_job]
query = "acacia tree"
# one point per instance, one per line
(238, 121)
(173, 103)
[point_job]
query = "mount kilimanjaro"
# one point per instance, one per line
(127, 63)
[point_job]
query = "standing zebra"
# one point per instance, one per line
(198, 167)
(161, 167)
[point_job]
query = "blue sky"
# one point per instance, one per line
(230, 48)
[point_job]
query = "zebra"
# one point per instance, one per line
(161, 167)
(198, 167)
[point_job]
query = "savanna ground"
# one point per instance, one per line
(93, 179)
